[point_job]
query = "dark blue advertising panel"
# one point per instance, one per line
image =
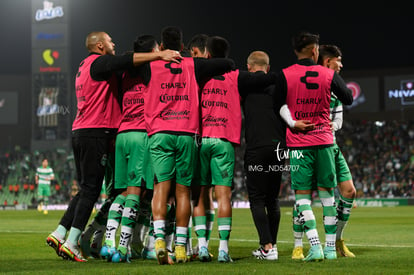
(399, 92)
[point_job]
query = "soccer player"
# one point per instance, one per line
(133, 169)
(203, 207)
(221, 120)
(308, 88)
(172, 119)
(93, 129)
(43, 178)
(330, 56)
(265, 144)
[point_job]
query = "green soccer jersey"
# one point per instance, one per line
(336, 110)
(45, 174)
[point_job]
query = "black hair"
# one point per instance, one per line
(172, 38)
(304, 39)
(218, 46)
(198, 41)
(328, 51)
(144, 43)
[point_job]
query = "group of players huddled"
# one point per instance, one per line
(160, 125)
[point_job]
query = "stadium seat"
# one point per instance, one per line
(16, 189)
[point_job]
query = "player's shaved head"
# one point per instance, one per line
(259, 58)
(258, 61)
(93, 38)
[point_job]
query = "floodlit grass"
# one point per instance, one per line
(381, 238)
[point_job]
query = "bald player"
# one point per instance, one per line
(265, 136)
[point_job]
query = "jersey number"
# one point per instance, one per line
(310, 86)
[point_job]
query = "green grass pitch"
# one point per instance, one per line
(381, 238)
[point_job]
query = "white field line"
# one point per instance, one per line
(244, 240)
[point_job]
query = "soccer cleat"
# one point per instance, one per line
(180, 254)
(271, 254)
(119, 257)
(85, 246)
(148, 254)
(329, 252)
(161, 251)
(257, 251)
(107, 252)
(171, 258)
(195, 254)
(204, 255)
(54, 242)
(315, 254)
(71, 252)
(297, 253)
(343, 250)
(224, 257)
(40, 207)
